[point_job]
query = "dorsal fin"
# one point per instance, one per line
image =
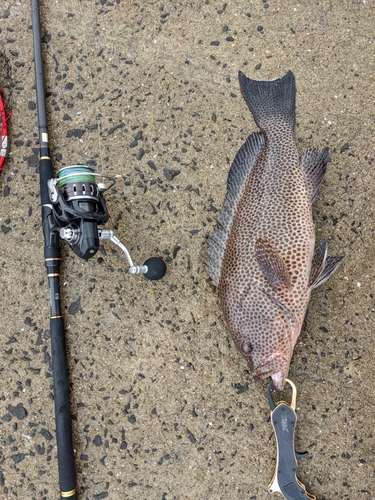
(238, 174)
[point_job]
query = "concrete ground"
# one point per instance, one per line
(163, 405)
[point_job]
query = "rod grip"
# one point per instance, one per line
(64, 440)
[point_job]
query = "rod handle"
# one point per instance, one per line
(65, 454)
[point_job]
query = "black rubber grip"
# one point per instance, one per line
(65, 453)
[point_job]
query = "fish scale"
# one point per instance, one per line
(261, 254)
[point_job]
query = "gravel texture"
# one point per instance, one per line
(163, 405)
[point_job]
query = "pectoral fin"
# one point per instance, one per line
(322, 266)
(271, 264)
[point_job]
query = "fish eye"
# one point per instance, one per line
(247, 347)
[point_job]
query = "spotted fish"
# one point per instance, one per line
(261, 254)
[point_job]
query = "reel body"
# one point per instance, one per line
(79, 207)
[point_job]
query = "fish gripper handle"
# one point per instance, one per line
(285, 480)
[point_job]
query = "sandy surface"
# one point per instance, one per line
(163, 404)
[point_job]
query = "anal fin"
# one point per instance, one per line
(332, 263)
(318, 262)
(322, 266)
(314, 166)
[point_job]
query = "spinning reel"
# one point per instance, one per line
(79, 208)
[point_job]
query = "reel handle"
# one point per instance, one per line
(154, 268)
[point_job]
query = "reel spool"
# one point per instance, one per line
(79, 207)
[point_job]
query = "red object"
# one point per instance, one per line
(4, 129)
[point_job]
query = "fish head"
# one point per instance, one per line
(266, 339)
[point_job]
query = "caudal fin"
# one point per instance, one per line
(270, 101)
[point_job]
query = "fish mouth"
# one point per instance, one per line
(278, 381)
(270, 367)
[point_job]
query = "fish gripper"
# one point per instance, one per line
(284, 418)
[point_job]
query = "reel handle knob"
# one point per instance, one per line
(156, 268)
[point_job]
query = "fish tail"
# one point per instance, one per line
(270, 101)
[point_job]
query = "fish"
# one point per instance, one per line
(261, 255)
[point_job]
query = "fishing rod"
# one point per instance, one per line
(73, 206)
(52, 258)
